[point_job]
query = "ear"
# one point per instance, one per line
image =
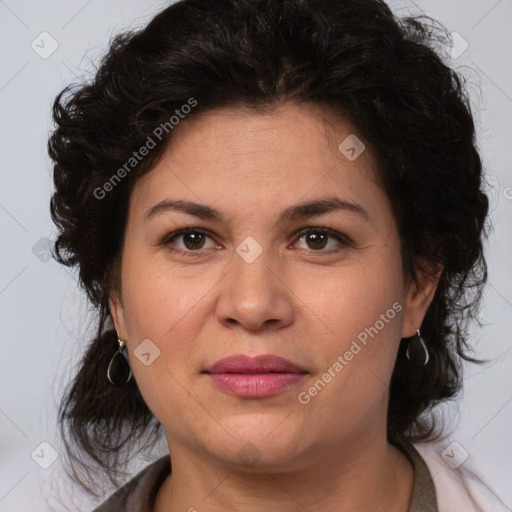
(419, 296)
(117, 313)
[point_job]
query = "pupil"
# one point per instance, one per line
(318, 240)
(194, 238)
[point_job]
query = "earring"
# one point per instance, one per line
(417, 351)
(119, 372)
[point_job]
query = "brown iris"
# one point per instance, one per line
(193, 240)
(317, 240)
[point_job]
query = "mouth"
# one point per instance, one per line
(243, 364)
(254, 377)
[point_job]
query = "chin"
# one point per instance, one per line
(260, 443)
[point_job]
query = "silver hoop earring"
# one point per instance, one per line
(119, 372)
(417, 351)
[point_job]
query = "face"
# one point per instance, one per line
(259, 272)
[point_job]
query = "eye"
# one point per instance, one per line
(189, 240)
(318, 239)
(194, 241)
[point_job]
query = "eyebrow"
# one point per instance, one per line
(303, 210)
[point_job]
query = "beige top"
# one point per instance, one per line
(139, 494)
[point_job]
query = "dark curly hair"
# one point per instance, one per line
(352, 57)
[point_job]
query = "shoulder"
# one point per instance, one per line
(458, 487)
(138, 495)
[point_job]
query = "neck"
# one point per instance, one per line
(366, 478)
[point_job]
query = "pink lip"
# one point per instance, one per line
(254, 377)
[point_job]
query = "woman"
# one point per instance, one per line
(277, 209)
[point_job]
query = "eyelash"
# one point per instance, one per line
(343, 240)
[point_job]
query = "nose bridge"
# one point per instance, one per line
(253, 293)
(252, 274)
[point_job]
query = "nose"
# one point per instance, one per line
(255, 296)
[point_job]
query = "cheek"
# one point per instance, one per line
(170, 313)
(347, 300)
(360, 309)
(158, 300)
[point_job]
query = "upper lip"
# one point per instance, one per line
(266, 363)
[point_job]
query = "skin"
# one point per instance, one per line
(303, 299)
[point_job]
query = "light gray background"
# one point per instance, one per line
(44, 318)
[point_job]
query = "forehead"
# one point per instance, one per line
(238, 156)
(303, 130)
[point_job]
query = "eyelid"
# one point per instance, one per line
(343, 239)
(166, 240)
(170, 236)
(324, 229)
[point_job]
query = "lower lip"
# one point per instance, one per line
(254, 385)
